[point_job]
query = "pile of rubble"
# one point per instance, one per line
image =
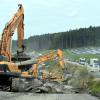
(39, 86)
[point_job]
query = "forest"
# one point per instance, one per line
(82, 37)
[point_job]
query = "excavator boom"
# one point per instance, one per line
(42, 59)
(15, 22)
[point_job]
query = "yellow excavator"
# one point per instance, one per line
(8, 69)
(48, 57)
(18, 75)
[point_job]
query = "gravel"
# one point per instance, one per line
(31, 96)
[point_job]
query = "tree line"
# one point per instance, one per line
(82, 37)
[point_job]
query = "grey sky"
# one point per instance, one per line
(48, 16)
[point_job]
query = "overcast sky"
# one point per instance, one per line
(48, 16)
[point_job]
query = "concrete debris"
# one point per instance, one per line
(39, 86)
(37, 83)
(50, 87)
(43, 89)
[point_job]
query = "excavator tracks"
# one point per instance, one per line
(21, 84)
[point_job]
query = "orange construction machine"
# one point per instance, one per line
(44, 58)
(8, 69)
(19, 75)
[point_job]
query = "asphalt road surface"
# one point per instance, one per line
(31, 96)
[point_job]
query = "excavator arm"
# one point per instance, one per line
(50, 56)
(15, 22)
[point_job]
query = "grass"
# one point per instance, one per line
(94, 86)
(75, 57)
(72, 56)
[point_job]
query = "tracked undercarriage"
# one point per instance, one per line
(11, 83)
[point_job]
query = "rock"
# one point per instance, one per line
(43, 89)
(36, 83)
(58, 90)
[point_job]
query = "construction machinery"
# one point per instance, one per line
(47, 57)
(25, 72)
(8, 69)
(20, 75)
(31, 66)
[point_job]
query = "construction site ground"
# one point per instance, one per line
(32, 96)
